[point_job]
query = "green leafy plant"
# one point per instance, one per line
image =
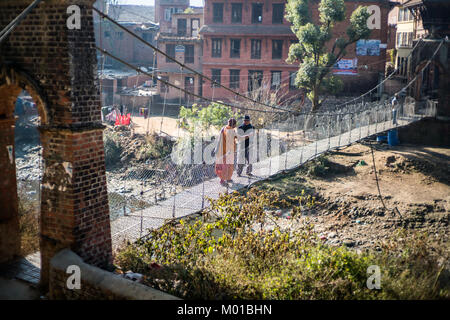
(312, 50)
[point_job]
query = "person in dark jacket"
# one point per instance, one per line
(247, 129)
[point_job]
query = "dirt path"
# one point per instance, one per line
(413, 179)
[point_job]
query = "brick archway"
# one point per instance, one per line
(58, 66)
(12, 82)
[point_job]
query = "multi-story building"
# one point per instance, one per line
(137, 19)
(409, 28)
(246, 44)
(183, 43)
(164, 9)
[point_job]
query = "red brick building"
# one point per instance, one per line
(249, 40)
(183, 43)
(245, 45)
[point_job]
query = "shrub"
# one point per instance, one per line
(155, 147)
(229, 254)
(29, 224)
(113, 149)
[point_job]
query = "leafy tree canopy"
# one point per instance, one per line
(315, 57)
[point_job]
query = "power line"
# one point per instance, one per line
(179, 88)
(15, 22)
(183, 65)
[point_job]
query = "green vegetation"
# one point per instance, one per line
(155, 147)
(239, 251)
(214, 115)
(113, 149)
(312, 49)
(29, 224)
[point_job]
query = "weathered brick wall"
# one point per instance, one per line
(96, 284)
(62, 64)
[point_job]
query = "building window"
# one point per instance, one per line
(404, 15)
(275, 80)
(218, 12)
(236, 12)
(255, 78)
(189, 53)
(404, 39)
(277, 49)
(256, 49)
(167, 15)
(119, 35)
(216, 76)
(195, 26)
(170, 51)
(216, 48)
(107, 34)
(235, 48)
(181, 27)
(257, 10)
(277, 12)
(292, 76)
(234, 78)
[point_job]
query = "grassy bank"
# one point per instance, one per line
(239, 251)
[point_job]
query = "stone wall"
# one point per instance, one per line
(96, 284)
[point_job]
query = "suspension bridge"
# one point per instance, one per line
(327, 133)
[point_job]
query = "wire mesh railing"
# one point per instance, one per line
(164, 189)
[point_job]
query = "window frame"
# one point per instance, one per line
(272, 86)
(237, 75)
(179, 29)
(256, 5)
(250, 74)
(168, 52)
(279, 5)
(214, 77)
(214, 17)
(292, 76)
(190, 46)
(281, 49)
(219, 50)
(252, 46)
(233, 6)
(233, 53)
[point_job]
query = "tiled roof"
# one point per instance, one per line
(247, 30)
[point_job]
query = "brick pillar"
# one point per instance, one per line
(74, 207)
(62, 65)
(9, 219)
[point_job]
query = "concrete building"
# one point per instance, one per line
(164, 9)
(249, 40)
(183, 42)
(408, 28)
(137, 19)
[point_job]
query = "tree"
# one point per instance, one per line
(312, 50)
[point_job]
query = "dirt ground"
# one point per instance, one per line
(412, 179)
(153, 124)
